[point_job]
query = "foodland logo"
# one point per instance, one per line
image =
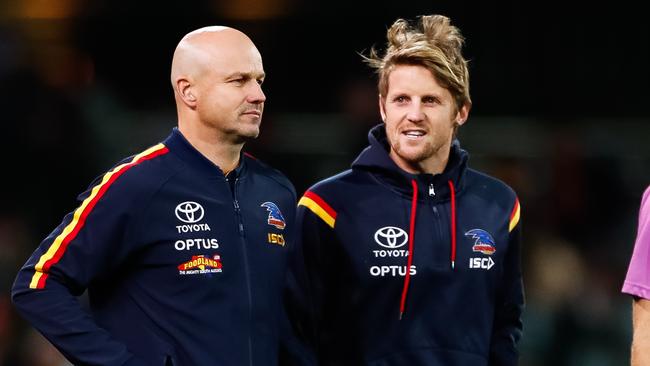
(200, 264)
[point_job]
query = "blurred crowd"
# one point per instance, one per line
(579, 179)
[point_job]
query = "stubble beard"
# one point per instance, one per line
(417, 156)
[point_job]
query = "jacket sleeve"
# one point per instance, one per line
(507, 329)
(88, 245)
(306, 288)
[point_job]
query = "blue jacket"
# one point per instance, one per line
(402, 269)
(182, 266)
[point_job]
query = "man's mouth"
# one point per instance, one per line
(413, 134)
(253, 112)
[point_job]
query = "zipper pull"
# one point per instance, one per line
(432, 192)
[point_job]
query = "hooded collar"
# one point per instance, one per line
(178, 144)
(376, 159)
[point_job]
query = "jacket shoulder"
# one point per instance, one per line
(339, 190)
(334, 185)
(491, 191)
(491, 188)
(138, 174)
(265, 170)
(328, 196)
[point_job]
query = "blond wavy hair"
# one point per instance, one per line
(433, 43)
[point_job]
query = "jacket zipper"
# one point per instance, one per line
(242, 237)
(436, 213)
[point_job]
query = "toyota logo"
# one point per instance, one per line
(391, 237)
(189, 212)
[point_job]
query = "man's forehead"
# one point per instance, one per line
(231, 60)
(239, 66)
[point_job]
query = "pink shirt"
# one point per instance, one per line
(637, 281)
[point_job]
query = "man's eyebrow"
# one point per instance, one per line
(246, 75)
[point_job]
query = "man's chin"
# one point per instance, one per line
(244, 136)
(414, 155)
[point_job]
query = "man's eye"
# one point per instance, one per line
(401, 99)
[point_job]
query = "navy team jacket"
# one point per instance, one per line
(402, 269)
(182, 266)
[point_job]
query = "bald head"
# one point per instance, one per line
(209, 47)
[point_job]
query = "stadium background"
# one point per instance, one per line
(560, 113)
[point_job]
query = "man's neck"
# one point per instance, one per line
(223, 153)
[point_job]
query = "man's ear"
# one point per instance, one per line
(463, 114)
(186, 91)
(382, 108)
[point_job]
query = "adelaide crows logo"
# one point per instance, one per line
(275, 216)
(483, 243)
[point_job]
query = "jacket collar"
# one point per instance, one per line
(376, 160)
(178, 144)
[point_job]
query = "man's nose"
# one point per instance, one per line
(415, 112)
(256, 95)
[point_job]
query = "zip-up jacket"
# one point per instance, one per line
(408, 269)
(183, 266)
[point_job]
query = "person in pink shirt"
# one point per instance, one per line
(637, 284)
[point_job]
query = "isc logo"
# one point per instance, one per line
(483, 263)
(276, 239)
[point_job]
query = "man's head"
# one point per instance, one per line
(217, 74)
(423, 91)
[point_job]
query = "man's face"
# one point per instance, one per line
(420, 116)
(230, 88)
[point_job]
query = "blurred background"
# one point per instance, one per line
(560, 113)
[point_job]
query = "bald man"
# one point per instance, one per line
(182, 248)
